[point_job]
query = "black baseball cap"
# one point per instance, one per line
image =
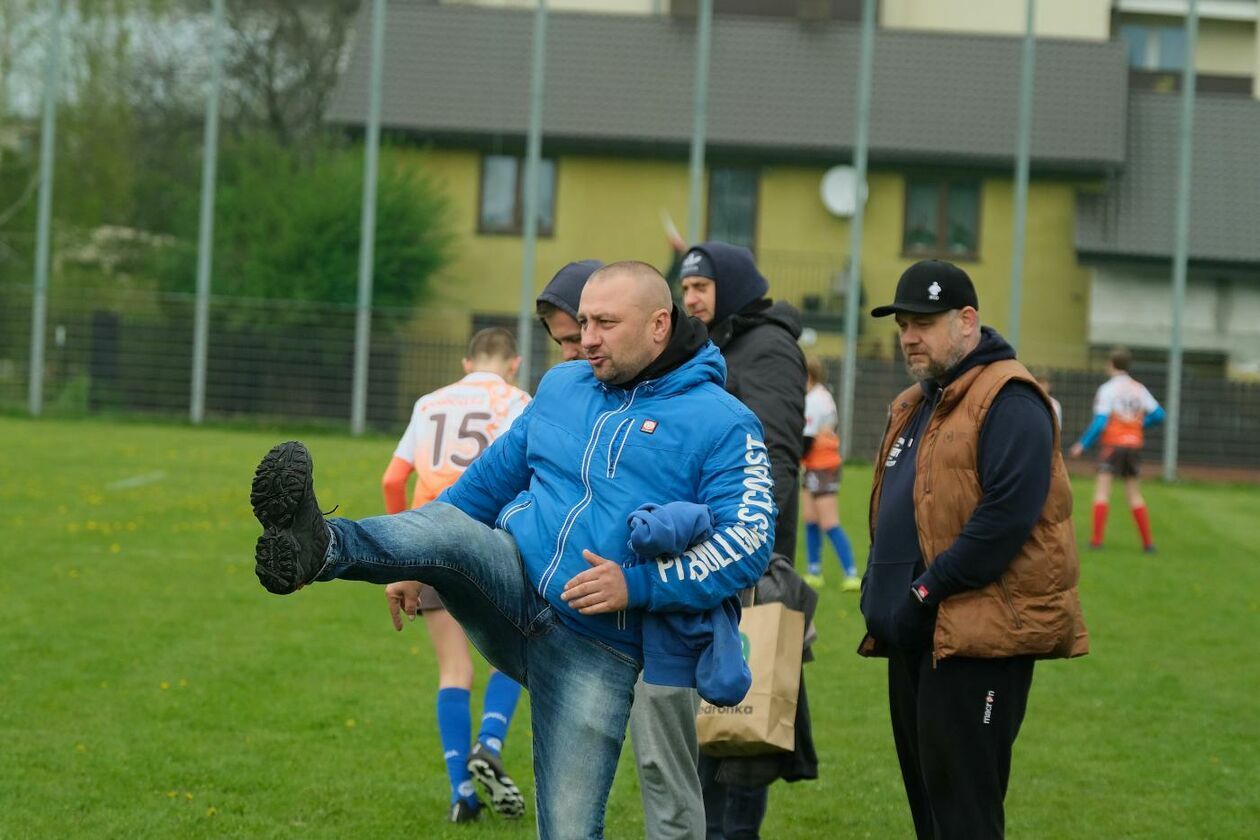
(931, 286)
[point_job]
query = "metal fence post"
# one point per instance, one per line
(367, 232)
(533, 155)
(47, 150)
(1021, 174)
(205, 234)
(699, 115)
(853, 295)
(1181, 250)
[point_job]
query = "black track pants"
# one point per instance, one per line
(954, 726)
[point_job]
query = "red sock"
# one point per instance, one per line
(1100, 522)
(1143, 521)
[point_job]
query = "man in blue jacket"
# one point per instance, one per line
(518, 546)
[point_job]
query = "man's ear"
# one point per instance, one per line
(970, 320)
(468, 366)
(661, 324)
(513, 367)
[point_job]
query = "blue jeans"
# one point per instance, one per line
(580, 689)
(731, 812)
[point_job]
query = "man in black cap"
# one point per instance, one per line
(557, 306)
(722, 287)
(973, 567)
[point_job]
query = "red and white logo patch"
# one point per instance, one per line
(648, 427)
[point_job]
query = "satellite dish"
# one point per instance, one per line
(837, 191)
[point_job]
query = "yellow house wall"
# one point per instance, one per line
(1224, 47)
(1084, 19)
(609, 208)
(1055, 288)
(606, 208)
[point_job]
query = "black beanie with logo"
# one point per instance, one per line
(737, 281)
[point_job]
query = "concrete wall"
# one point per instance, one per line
(1132, 305)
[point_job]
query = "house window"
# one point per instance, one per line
(733, 206)
(502, 205)
(1155, 48)
(942, 217)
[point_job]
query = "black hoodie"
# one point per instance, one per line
(765, 370)
(1013, 464)
(686, 336)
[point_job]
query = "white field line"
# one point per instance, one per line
(136, 481)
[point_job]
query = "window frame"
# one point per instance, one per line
(941, 250)
(518, 199)
(1154, 58)
(756, 201)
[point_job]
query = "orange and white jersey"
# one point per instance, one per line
(821, 419)
(452, 426)
(1125, 402)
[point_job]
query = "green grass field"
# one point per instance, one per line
(150, 688)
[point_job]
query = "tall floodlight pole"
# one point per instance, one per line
(699, 112)
(367, 232)
(43, 239)
(854, 293)
(1023, 142)
(533, 159)
(205, 234)
(1181, 238)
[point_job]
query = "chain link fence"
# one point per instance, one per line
(130, 353)
(1220, 418)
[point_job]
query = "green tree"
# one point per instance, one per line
(288, 228)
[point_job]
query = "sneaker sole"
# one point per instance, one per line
(504, 795)
(276, 562)
(283, 477)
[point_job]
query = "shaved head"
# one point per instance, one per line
(626, 319)
(638, 282)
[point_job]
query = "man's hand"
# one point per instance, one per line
(403, 597)
(1077, 450)
(600, 589)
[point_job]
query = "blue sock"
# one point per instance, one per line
(840, 541)
(498, 705)
(813, 547)
(455, 729)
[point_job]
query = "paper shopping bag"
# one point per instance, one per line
(764, 722)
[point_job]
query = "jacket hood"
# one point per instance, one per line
(762, 311)
(687, 337)
(992, 348)
(736, 279)
(564, 291)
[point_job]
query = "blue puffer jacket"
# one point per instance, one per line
(584, 455)
(690, 650)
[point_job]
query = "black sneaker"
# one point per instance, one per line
(291, 550)
(505, 796)
(464, 811)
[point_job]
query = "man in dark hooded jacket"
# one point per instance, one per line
(765, 367)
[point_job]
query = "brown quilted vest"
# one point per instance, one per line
(1034, 607)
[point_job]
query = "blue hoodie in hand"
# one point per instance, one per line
(688, 649)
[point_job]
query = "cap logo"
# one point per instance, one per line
(692, 260)
(934, 291)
